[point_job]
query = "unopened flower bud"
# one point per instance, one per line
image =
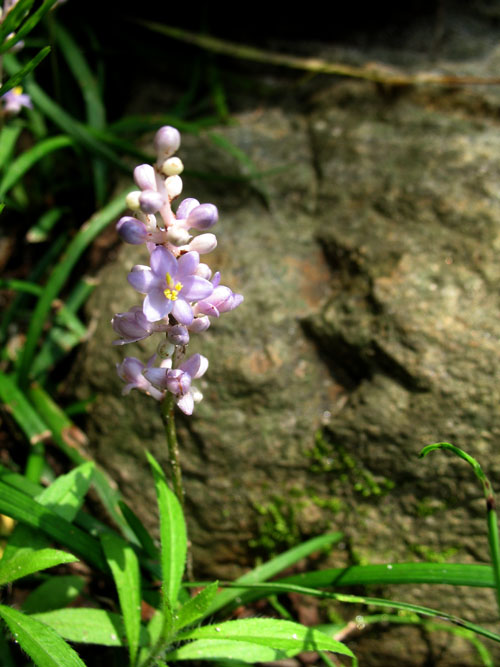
(132, 200)
(172, 167)
(150, 201)
(165, 350)
(203, 217)
(199, 324)
(178, 235)
(144, 176)
(178, 382)
(204, 271)
(167, 141)
(185, 207)
(173, 185)
(203, 243)
(178, 335)
(196, 394)
(131, 230)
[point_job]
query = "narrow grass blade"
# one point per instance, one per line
(26, 561)
(71, 440)
(376, 602)
(124, 567)
(16, 403)
(8, 139)
(453, 574)
(22, 73)
(89, 626)
(59, 275)
(19, 506)
(207, 649)
(44, 225)
(195, 608)
(28, 25)
(14, 17)
(489, 496)
(287, 636)
(54, 593)
(274, 566)
(65, 496)
(28, 158)
(77, 131)
(173, 535)
(44, 646)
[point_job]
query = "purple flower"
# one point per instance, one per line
(133, 326)
(178, 380)
(132, 230)
(170, 285)
(131, 372)
(14, 100)
(222, 300)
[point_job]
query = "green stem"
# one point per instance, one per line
(167, 415)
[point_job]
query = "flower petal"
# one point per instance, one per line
(187, 265)
(156, 306)
(186, 403)
(157, 376)
(141, 278)
(163, 262)
(182, 311)
(195, 288)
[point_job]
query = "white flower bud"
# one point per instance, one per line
(204, 271)
(173, 185)
(203, 243)
(144, 176)
(172, 167)
(167, 141)
(132, 200)
(196, 394)
(178, 235)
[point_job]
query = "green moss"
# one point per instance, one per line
(433, 556)
(277, 526)
(327, 456)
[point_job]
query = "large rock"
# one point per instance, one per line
(368, 256)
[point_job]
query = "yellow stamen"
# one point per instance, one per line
(172, 290)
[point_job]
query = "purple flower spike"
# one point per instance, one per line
(203, 217)
(170, 285)
(132, 230)
(178, 335)
(222, 300)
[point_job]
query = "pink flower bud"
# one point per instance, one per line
(144, 176)
(203, 243)
(167, 141)
(203, 217)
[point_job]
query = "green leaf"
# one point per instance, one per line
(172, 533)
(28, 25)
(19, 506)
(89, 626)
(40, 642)
(139, 531)
(273, 566)
(18, 77)
(274, 633)
(28, 158)
(246, 652)
(16, 403)
(125, 569)
(25, 561)
(54, 593)
(8, 138)
(13, 18)
(453, 574)
(195, 608)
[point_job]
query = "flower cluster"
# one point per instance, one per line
(180, 292)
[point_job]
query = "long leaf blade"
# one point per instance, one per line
(41, 643)
(25, 561)
(124, 567)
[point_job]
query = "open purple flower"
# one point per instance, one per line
(178, 380)
(131, 372)
(170, 285)
(222, 300)
(133, 326)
